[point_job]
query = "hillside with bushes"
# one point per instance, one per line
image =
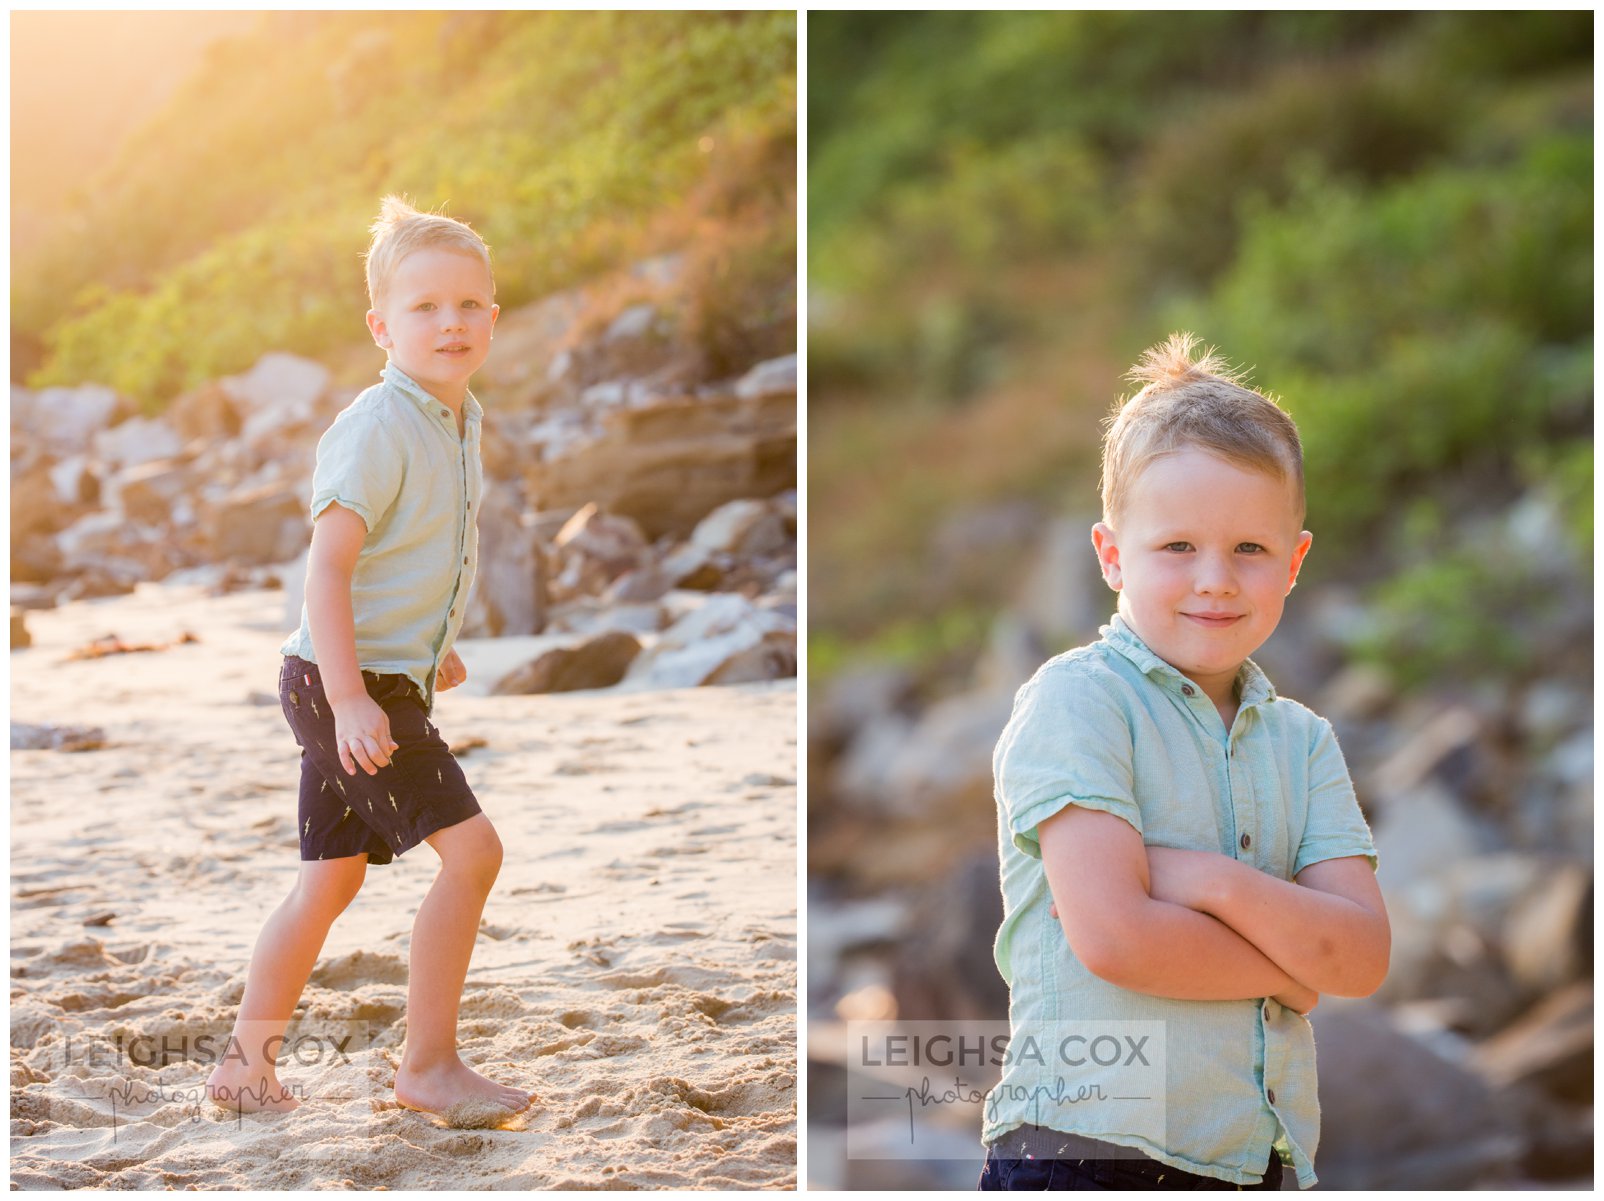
(233, 221)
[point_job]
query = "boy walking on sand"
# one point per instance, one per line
(1195, 835)
(395, 499)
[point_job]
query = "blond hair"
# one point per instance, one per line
(401, 229)
(1199, 403)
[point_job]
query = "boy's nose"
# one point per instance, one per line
(1215, 577)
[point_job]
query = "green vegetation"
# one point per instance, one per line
(574, 142)
(1387, 216)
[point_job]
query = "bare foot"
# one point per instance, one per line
(239, 1091)
(439, 1088)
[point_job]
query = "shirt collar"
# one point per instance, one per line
(405, 384)
(1253, 686)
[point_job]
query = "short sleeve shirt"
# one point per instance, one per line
(394, 458)
(1111, 726)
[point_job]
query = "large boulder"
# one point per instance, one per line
(726, 640)
(148, 491)
(1395, 1115)
(614, 541)
(259, 524)
(668, 461)
(598, 663)
(65, 419)
(745, 528)
(209, 412)
(510, 588)
(137, 440)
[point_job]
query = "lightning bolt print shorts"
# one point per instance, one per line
(420, 791)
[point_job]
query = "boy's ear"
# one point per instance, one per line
(1305, 540)
(377, 328)
(1107, 548)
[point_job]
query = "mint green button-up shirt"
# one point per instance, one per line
(1111, 726)
(394, 457)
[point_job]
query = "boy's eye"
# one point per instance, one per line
(470, 304)
(1251, 548)
(425, 306)
(1178, 546)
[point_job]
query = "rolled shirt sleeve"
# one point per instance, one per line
(359, 466)
(1335, 827)
(1066, 743)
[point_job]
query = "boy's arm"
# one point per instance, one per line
(1098, 872)
(1328, 930)
(361, 729)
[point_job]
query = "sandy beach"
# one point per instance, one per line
(636, 967)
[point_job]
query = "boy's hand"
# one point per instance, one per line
(362, 735)
(451, 673)
(1298, 998)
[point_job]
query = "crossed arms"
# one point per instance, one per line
(1201, 926)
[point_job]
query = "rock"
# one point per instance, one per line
(35, 506)
(148, 491)
(613, 541)
(598, 663)
(19, 630)
(642, 585)
(775, 377)
(281, 389)
(940, 763)
(668, 461)
(1445, 747)
(74, 483)
(1550, 1047)
(34, 558)
(65, 419)
(774, 658)
(510, 588)
(255, 525)
(1396, 1116)
(208, 413)
(854, 699)
(1358, 692)
(785, 505)
(32, 596)
(1540, 932)
(697, 647)
(137, 440)
(944, 970)
(591, 616)
(1063, 600)
(26, 737)
(746, 528)
(637, 321)
(692, 567)
(1419, 833)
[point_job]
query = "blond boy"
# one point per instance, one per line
(395, 498)
(1195, 835)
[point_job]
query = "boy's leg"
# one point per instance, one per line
(286, 951)
(431, 1076)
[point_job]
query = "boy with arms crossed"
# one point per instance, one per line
(394, 543)
(1196, 835)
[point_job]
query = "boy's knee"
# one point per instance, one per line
(479, 859)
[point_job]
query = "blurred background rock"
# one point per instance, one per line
(188, 299)
(1388, 217)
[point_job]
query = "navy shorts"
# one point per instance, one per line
(1005, 1171)
(420, 791)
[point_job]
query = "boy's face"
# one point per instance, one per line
(1203, 559)
(435, 319)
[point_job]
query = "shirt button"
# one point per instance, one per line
(445, 412)
(1247, 841)
(1186, 689)
(1270, 1092)
(453, 613)
(464, 562)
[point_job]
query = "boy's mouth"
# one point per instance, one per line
(1213, 621)
(455, 350)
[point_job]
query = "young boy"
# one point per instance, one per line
(1195, 835)
(394, 502)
